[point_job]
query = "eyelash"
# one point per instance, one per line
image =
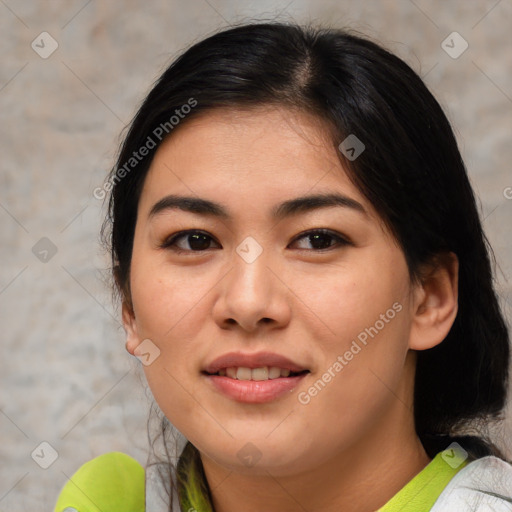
(170, 242)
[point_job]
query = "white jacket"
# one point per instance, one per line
(484, 485)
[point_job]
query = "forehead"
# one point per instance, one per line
(250, 157)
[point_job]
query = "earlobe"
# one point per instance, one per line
(130, 327)
(435, 303)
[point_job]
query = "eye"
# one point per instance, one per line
(197, 241)
(320, 239)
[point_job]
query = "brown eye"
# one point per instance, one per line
(188, 241)
(321, 239)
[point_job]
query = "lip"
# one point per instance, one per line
(254, 391)
(256, 360)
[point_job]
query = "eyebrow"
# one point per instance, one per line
(285, 209)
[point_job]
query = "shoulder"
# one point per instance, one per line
(112, 481)
(484, 485)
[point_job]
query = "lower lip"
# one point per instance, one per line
(255, 391)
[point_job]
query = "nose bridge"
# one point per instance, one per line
(251, 292)
(251, 274)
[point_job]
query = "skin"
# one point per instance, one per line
(353, 446)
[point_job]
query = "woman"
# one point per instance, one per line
(304, 276)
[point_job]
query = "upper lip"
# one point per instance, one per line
(257, 360)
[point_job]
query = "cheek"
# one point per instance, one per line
(359, 298)
(362, 327)
(167, 311)
(165, 298)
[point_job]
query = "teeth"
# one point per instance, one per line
(274, 372)
(243, 373)
(259, 373)
(263, 373)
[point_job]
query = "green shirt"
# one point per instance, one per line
(420, 493)
(112, 482)
(115, 482)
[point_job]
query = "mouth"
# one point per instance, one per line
(257, 374)
(254, 378)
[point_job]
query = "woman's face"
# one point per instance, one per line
(274, 281)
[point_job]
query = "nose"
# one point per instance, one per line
(253, 295)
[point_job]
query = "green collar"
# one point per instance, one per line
(116, 482)
(422, 491)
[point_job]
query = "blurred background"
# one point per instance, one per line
(72, 74)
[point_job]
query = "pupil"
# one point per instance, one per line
(316, 241)
(198, 241)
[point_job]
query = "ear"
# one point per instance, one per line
(435, 302)
(130, 326)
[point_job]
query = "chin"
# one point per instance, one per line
(244, 454)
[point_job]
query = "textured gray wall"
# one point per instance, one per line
(65, 376)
